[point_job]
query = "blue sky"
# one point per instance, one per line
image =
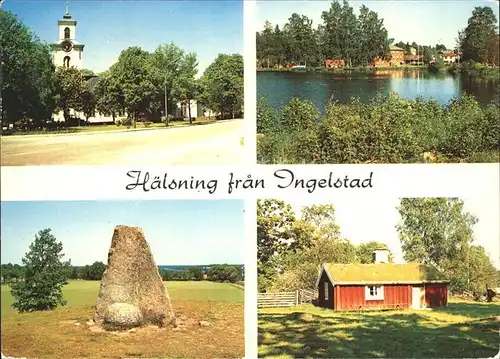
(426, 22)
(179, 232)
(108, 27)
(380, 216)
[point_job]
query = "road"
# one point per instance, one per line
(214, 144)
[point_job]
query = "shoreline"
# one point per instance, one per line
(465, 69)
(342, 69)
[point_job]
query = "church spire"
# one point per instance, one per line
(67, 15)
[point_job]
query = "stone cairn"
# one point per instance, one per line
(132, 292)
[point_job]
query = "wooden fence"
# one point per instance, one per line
(285, 299)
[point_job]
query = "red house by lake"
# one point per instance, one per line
(381, 285)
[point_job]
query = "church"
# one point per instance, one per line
(68, 52)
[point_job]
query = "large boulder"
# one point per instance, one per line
(132, 292)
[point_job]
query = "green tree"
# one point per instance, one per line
(222, 85)
(135, 73)
(300, 38)
(46, 274)
(341, 33)
(224, 273)
(373, 37)
(88, 101)
(167, 60)
(195, 273)
(332, 41)
(12, 272)
(494, 50)
(437, 231)
(108, 95)
(27, 79)
(322, 217)
(475, 272)
(481, 26)
(300, 268)
(278, 233)
(266, 44)
(95, 271)
(72, 90)
(440, 47)
(434, 231)
(187, 86)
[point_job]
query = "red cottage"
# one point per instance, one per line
(381, 286)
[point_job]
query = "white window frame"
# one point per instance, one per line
(327, 290)
(378, 295)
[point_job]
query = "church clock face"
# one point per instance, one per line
(67, 46)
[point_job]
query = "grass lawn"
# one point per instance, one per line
(113, 127)
(62, 333)
(461, 330)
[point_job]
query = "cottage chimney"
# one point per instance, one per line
(380, 256)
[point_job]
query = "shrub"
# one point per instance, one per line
(462, 132)
(303, 276)
(299, 115)
(126, 121)
(387, 129)
(267, 117)
(225, 273)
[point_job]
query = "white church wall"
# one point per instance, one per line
(72, 31)
(194, 110)
(76, 58)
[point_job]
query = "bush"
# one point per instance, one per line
(387, 129)
(267, 117)
(225, 273)
(147, 123)
(127, 121)
(303, 276)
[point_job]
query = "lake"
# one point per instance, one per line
(280, 87)
(181, 268)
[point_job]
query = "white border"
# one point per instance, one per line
(250, 125)
(251, 321)
(250, 81)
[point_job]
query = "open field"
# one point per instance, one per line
(215, 144)
(461, 330)
(62, 333)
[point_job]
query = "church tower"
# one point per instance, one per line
(67, 51)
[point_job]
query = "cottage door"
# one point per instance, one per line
(416, 297)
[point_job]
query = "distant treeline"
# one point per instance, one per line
(217, 273)
(341, 35)
(358, 39)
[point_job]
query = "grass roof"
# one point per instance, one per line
(382, 273)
